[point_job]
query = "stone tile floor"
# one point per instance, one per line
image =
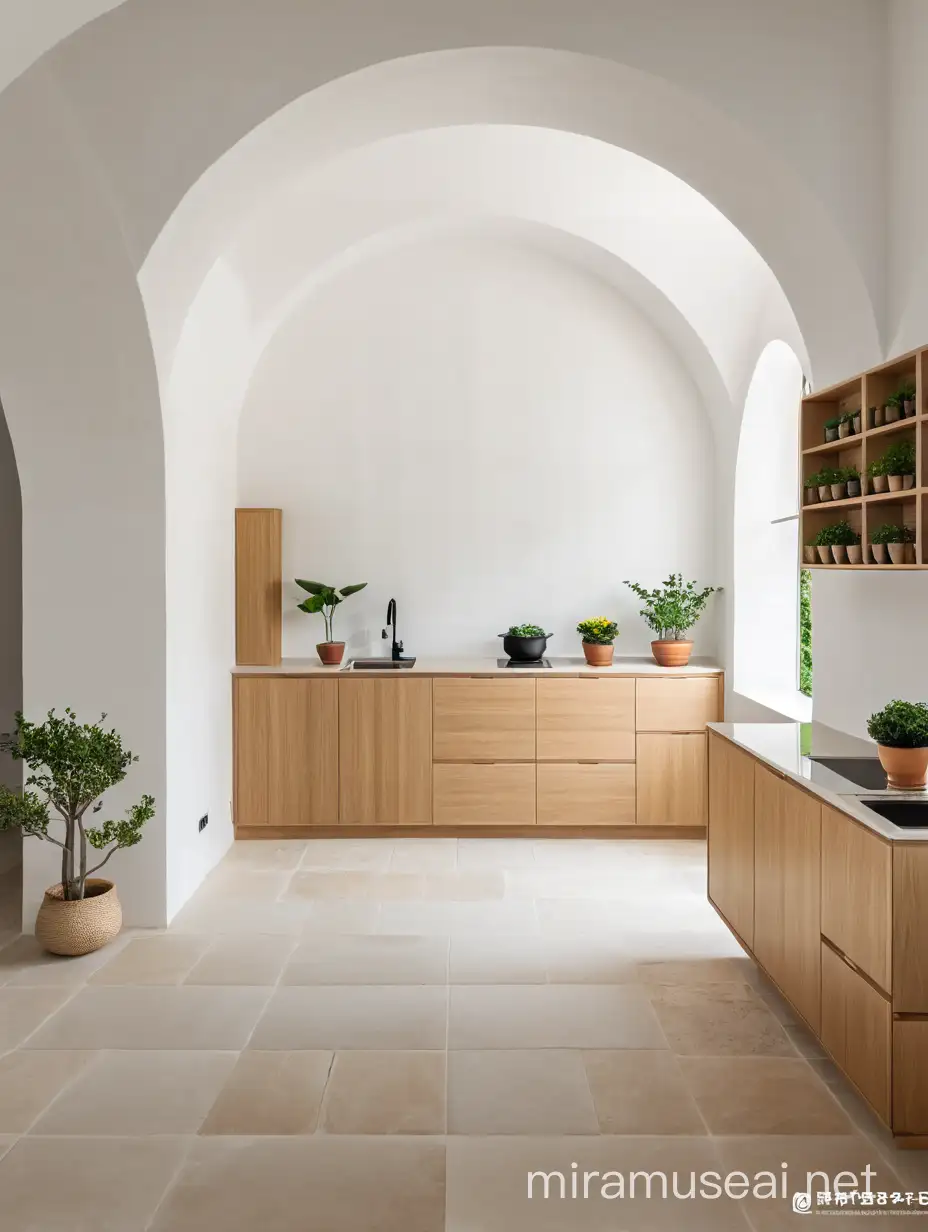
(389, 1035)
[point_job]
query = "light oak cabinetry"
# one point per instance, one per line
(910, 929)
(594, 794)
(857, 874)
(257, 586)
(681, 704)
(671, 778)
(586, 719)
(484, 793)
(731, 835)
(857, 1029)
(286, 751)
(385, 751)
(484, 719)
(910, 1076)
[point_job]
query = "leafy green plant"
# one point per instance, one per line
(71, 765)
(805, 632)
(526, 631)
(598, 631)
(325, 599)
(899, 459)
(829, 475)
(811, 481)
(848, 417)
(672, 609)
(844, 535)
(889, 533)
(906, 392)
(900, 725)
(875, 468)
(849, 474)
(830, 424)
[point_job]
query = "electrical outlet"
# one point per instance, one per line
(204, 822)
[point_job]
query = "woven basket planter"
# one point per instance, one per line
(82, 926)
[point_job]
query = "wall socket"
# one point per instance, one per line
(204, 822)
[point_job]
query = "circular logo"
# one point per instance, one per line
(802, 1203)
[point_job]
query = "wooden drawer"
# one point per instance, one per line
(910, 928)
(672, 780)
(577, 794)
(488, 794)
(591, 718)
(910, 1076)
(483, 718)
(683, 704)
(857, 895)
(857, 1026)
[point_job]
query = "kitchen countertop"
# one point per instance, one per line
(789, 747)
(476, 666)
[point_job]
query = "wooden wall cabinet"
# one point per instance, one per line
(483, 718)
(258, 587)
(672, 779)
(285, 751)
(385, 751)
(591, 718)
(731, 835)
(857, 895)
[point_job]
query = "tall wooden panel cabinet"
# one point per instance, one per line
(257, 587)
(731, 835)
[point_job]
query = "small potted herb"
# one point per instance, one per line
(831, 484)
(809, 555)
(823, 542)
(845, 425)
(888, 543)
(892, 409)
(900, 730)
(670, 611)
(898, 465)
(845, 544)
(325, 599)
(906, 396)
(598, 634)
(811, 489)
(855, 422)
(831, 428)
(525, 643)
(871, 417)
(852, 479)
(877, 475)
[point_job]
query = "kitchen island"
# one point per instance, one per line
(831, 900)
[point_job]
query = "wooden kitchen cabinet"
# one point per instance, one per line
(910, 928)
(857, 1029)
(910, 1076)
(385, 751)
(579, 794)
(484, 794)
(731, 835)
(787, 889)
(672, 779)
(286, 751)
(857, 895)
(592, 718)
(476, 718)
(679, 704)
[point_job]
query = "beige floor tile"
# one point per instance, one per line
(317, 1184)
(7, 1141)
(588, 960)
(22, 1010)
(718, 1020)
(271, 1093)
(462, 887)
(85, 1184)
(26, 963)
(641, 1092)
(259, 855)
(498, 960)
(803, 1158)
(488, 1186)
(354, 1017)
(519, 1092)
(553, 1016)
(29, 1081)
(777, 1004)
(496, 853)
(245, 886)
(493, 918)
(371, 854)
(805, 1043)
(249, 961)
(386, 1093)
(164, 959)
(150, 1018)
(762, 1095)
(424, 855)
(367, 959)
(741, 970)
(335, 915)
(138, 1093)
(225, 916)
(360, 886)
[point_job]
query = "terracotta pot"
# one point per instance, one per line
(896, 553)
(905, 768)
(879, 553)
(879, 416)
(79, 927)
(838, 491)
(894, 482)
(879, 483)
(811, 496)
(857, 424)
(330, 652)
(909, 407)
(908, 481)
(824, 492)
(672, 654)
(844, 430)
(808, 554)
(839, 552)
(598, 655)
(855, 554)
(824, 555)
(853, 487)
(892, 414)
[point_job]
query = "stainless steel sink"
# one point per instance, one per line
(909, 814)
(378, 665)
(866, 772)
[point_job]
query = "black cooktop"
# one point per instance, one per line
(523, 663)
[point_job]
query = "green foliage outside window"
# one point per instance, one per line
(805, 632)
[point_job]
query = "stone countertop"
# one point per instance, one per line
(789, 748)
(476, 666)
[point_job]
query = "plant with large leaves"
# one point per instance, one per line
(325, 599)
(72, 764)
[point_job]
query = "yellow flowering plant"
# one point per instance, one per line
(598, 630)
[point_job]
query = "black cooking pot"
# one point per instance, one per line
(524, 649)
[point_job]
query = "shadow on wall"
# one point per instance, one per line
(11, 642)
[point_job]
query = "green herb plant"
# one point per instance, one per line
(805, 633)
(900, 725)
(833, 423)
(526, 631)
(325, 599)
(899, 459)
(598, 631)
(890, 533)
(672, 609)
(71, 765)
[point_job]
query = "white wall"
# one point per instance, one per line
(11, 625)
(485, 433)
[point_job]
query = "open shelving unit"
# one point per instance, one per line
(870, 509)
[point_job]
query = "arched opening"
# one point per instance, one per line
(768, 607)
(11, 668)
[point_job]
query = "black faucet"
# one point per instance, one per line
(396, 650)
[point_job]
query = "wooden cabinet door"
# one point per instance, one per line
(479, 718)
(787, 889)
(286, 751)
(910, 1076)
(588, 718)
(385, 752)
(857, 895)
(910, 928)
(484, 794)
(671, 778)
(857, 1025)
(574, 794)
(731, 835)
(678, 704)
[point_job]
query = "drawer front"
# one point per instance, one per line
(910, 1076)
(910, 928)
(483, 718)
(489, 794)
(672, 779)
(857, 895)
(573, 794)
(857, 1026)
(591, 718)
(680, 705)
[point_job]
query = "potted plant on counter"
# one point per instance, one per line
(71, 765)
(900, 730)
(898, 465)
(671, 610)
(598, 635)
(831, 428)
(325, 599)
(525, 643)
